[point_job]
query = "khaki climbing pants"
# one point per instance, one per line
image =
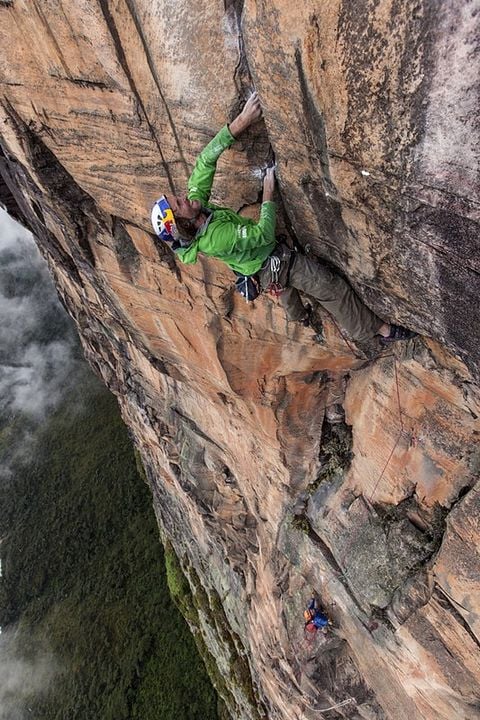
(332, 291)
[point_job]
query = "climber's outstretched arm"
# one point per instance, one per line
(201, 179)
(250, 113)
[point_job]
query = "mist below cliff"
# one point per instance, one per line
(37, 355)
(40, 359)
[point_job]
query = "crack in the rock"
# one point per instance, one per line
(60, 184)
(82, 82)
(243, 80)
(122, 59)
(321, 194)
(450, 606)
(195, 428)
(327, 554)
(151, 65)
(316, 125)
(241, 73)
(52, 37)
(462, 493)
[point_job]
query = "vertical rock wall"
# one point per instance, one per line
(371, 111)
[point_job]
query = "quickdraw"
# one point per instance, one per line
(275, 288)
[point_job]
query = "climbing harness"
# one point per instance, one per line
(248, 287)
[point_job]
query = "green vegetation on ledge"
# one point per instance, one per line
(195, 601)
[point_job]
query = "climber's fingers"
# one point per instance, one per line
(252, 109)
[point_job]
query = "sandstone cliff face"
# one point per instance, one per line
(371, 109)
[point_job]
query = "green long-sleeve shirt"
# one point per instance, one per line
(241, 243)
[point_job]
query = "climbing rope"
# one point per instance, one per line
(401, 432)
(413, 441)
(308, 703)
(346, 340)
(345, 574)
(340, 704)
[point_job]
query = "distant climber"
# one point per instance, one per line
(193, 225)
(314, 618)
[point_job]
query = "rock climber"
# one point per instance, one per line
(314, 618)
(193, 225)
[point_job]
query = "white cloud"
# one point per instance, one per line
(37, 344)
(21, 680)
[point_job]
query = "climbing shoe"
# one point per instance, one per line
(306, 320)
(397, 332)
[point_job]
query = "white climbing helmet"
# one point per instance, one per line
(163, 220)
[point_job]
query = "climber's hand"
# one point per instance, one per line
(268, 184)
(252, 109)
(251, 112)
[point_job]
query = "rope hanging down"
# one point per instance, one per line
(400, 415)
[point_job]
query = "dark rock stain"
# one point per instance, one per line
(316, 124)
(87, 83)
(400, 119)
(7, 194)
(320, 193)
(60, 184)
(127, 253)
